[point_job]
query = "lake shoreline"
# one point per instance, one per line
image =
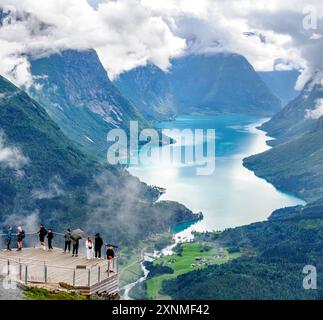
(253, 126)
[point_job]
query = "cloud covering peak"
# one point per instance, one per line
(271, 34)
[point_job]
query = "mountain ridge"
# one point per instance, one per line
(77, 93)
(199, 84)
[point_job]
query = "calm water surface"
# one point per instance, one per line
(231, 196)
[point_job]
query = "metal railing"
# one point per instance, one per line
(27, 269)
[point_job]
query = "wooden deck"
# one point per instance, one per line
(36, 267)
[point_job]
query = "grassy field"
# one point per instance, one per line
(42, 294)
(194, 256)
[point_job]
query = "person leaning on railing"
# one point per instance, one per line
(50, 237)
(20, 236)
(109, 256)
(42, 233)
(9, 237)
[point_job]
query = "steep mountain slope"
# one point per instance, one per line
(271, 267)
(220, 83)
(199, 83)
(281, 83)
(78, 95)
(150, 90)
(295, 119)
(43, 177)
(296, 166)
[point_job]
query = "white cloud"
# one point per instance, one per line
(124, 33)
(53, 190)
(129, 33)
(317, 112)
(11, 156)
(29, 222)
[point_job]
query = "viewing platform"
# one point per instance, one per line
(55, 269)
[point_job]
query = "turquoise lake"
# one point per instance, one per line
(232, 195)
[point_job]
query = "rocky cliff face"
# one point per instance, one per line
(77, 93)
(149, 88)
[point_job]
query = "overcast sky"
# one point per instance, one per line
(271, 34)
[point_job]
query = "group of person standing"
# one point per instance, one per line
(20, 236)
(44, 233)
(73, 242)
(93, 247)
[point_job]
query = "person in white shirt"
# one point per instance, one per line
(89, 248)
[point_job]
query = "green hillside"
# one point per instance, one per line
(296, 166)
(63, 187)
(274, 254)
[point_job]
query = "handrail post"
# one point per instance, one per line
(8, 271)
(26, 274)
(74, 277)
(108, 268)
(20, 269)
(89, 277)
(99, 273)
(45, 273)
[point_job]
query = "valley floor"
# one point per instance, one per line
(186, 258)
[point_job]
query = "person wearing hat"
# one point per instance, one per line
(98, 243)
(110, 256)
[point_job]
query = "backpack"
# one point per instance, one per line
(23, 235)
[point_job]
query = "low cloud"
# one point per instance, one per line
(29, 222)
(118, 210)
(317, 112)
(53, 190)
(11, 156)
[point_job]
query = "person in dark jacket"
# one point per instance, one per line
(76, 244)
(98, 243)
(9, 237)
(50, 237)
(110, 253)
(68, 241)
(110, 256)
(42, 234)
